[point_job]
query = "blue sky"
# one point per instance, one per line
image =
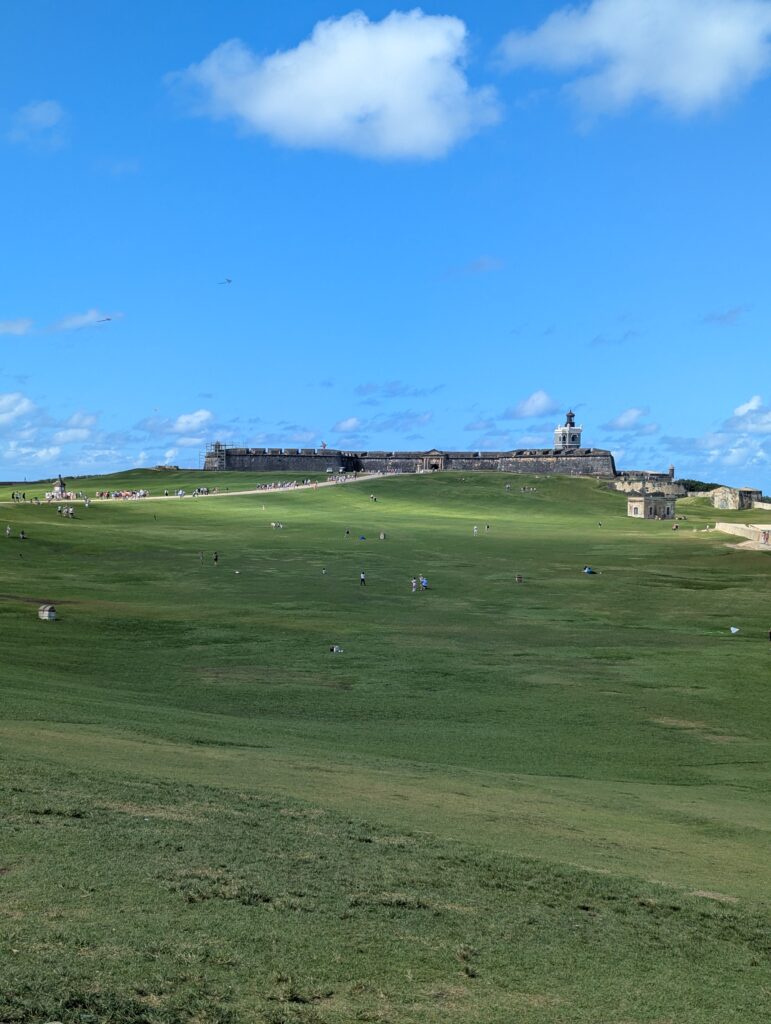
(442, 226)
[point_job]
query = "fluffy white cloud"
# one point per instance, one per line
(25, 454)
(39, 122)
(14, 404)
(756, 422)
(626, 420)
(44, 454)
(81, 419)
(346, 426)
(752, 417)
(687, 55)
(191, 421)
(538, 404)
(169, 454)
(394, 88)
(751, 406)
(88, 319)
(17, 327)
(71, 434)
(190, 442)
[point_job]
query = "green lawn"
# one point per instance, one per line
(156, 482)
(544, 802)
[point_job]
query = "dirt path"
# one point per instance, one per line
(220, 494)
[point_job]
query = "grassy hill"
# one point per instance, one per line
(543, 802)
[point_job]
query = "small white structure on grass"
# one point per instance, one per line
(47, 612)
(650, 506)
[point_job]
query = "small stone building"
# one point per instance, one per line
(650, 506)
(735, 497)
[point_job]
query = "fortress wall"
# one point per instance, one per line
(278, 461)
(640, 486)
(535, 463)
(292, 460)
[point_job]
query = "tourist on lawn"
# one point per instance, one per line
(362, 579)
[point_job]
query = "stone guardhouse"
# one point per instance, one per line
(650, 506)
(735, 497)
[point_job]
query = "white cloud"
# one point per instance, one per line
(81, 419)
(346, 426)
(71, 434)
(750, 418)
(394, 88)
(44, 454)
(17, 327)
(758, 422)
(687, 55)
(88, 319)
(627, 420)
(751, 406)
(40, 122)
(190, 421)
(538, 404)
(14, 404)
(169, 454)
(190, 442)
(25, 454)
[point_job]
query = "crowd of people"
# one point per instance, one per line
(123, 495)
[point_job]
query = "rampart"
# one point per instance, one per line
(760, 534)
(573, 462)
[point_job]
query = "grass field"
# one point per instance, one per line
(544, 802)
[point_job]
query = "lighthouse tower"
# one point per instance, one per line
(568, 436)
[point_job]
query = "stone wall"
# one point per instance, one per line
(577, 462)
(636, 485)
(734, 497)
(758, 534)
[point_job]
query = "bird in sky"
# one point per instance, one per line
(226, 281)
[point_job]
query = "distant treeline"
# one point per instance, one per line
(697, 485)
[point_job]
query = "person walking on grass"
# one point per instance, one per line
(362, 579)
(414, 583)
(216, 558)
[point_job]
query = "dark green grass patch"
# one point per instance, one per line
(133, 901)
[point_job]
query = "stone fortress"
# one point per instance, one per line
(567, 457)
